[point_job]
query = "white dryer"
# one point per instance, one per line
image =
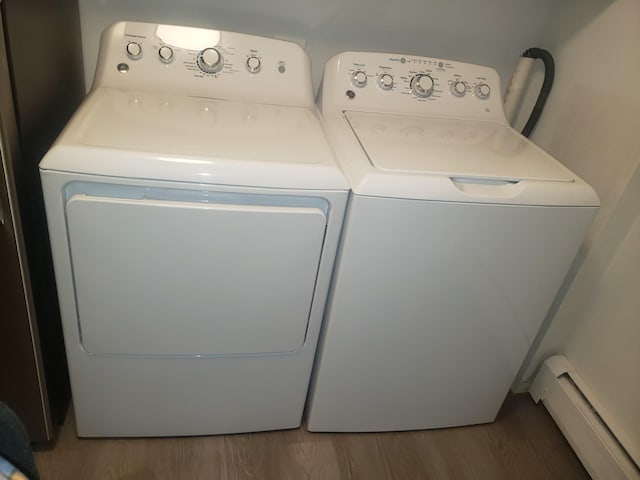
(194, 209)
(457, 236)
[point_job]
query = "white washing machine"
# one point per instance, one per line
(194, 209)
(457, 236)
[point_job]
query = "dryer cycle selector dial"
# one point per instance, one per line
(210, 60)
(385, 81)
(359, 79)
(422, 85)
(483, 91)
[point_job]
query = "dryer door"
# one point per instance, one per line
(159, 277)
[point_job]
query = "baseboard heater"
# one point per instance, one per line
(569, 402)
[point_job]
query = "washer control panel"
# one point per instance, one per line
(408, 84)
(206, 63)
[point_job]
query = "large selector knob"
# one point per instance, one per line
(483, 91)
(359, 79)
(210, 60)
(385, 81)
(422, 85)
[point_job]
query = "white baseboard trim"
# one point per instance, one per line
(521, 387)
(556, 384)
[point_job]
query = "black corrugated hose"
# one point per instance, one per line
(549, 73)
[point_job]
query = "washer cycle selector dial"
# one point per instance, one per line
(459, 88)
(165, 54)
(483, 91)
(385, 81)
(359, 79)
(422, 85)
(253, 64)
(210, 60)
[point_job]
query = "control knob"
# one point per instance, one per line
(165, 54)
(385, 81)
(359, 79)
(483, 91)
(210, 60)
(253, 64)
(459, 88)
(134, 50)
(422, 85)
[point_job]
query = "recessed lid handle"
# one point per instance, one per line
(485, 187)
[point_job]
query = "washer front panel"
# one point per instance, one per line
(433, 308)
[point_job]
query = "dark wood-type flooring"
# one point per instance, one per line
(523, 443)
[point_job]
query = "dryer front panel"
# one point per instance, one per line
(174, 277)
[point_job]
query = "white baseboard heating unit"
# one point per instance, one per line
(576, 412)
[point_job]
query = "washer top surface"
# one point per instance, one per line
(422, 128)
(202, 106)
(452, 148)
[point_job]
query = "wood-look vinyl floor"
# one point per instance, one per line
(523, 443)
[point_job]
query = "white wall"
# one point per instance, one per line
(489, 32)
(592, 124)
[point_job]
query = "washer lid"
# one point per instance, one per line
(131, 134)
(452, 148)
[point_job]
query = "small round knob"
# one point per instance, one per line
(385, 81)
(253, 64)
(459, 88)
(210, 60)
(483, 91)
(359, 79)
(134, 50)
(422, 85)
(165, 54)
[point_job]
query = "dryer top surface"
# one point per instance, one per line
(166, 137)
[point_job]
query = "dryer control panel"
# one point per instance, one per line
(411, 85)
(201, 62)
